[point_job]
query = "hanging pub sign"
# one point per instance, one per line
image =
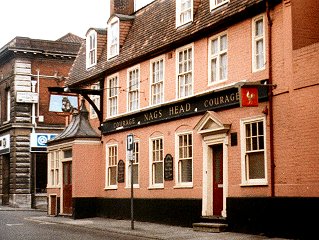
(249, 96)
(63, 103)
(168, 167)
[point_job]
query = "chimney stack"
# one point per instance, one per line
(125, 7)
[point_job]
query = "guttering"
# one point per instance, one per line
(271, 125)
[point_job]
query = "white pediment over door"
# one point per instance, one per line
(212, 123)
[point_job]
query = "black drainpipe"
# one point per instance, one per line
(271, 126)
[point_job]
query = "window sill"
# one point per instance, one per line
(110, 58)
(90, 67)
(155, 187)
(111, 188)
(183, 186)
(53, 187)
(259, 184)
(180, 25)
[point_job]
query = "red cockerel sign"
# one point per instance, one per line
(249, 96)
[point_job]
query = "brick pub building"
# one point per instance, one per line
(222, 100)
(27, 68)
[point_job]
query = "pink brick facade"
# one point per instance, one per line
(286, 124)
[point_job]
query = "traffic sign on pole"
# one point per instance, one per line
(130, 150)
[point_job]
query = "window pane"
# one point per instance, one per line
(223, 66)
(112, 175)
(214, 46)
(186, 170)
(261, 143)
(260, 53)
(254, 129)
(213, 69)
(260, 128)
(158, 170)
(223, 42)
(256, 165)
(135, 174)
(254, 142)
(259, 28)
(248, 144)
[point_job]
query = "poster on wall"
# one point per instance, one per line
(63, 103)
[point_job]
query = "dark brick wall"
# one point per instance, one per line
(290, 217)
(182, 212)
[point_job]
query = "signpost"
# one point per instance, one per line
(130, 150)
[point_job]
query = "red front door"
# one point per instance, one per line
(217, 179)
(67, 187)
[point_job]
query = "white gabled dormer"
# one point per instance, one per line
(184, 12)
(113, 37)
(91, 48)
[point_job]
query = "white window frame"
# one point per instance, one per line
(135, 91)
(96, 100)
(8, 108)
(107, 165)
(217, 3)
(152, 184)
(244, 165)
(217, 56)
(54, 169)
(181, 12)
(191, 71)
(113, 38)
(136, 162)
(256, 39)
(91, 49)
(114, 98)
(178, 182)
(158, 80)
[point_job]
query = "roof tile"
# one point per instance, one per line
(154, 31)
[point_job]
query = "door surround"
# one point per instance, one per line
(214, 131)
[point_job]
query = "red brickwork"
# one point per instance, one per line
(48, 67)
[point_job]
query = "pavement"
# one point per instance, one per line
(141, 229)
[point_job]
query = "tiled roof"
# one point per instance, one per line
(154, 32)
(70, 37)
(26, 44)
